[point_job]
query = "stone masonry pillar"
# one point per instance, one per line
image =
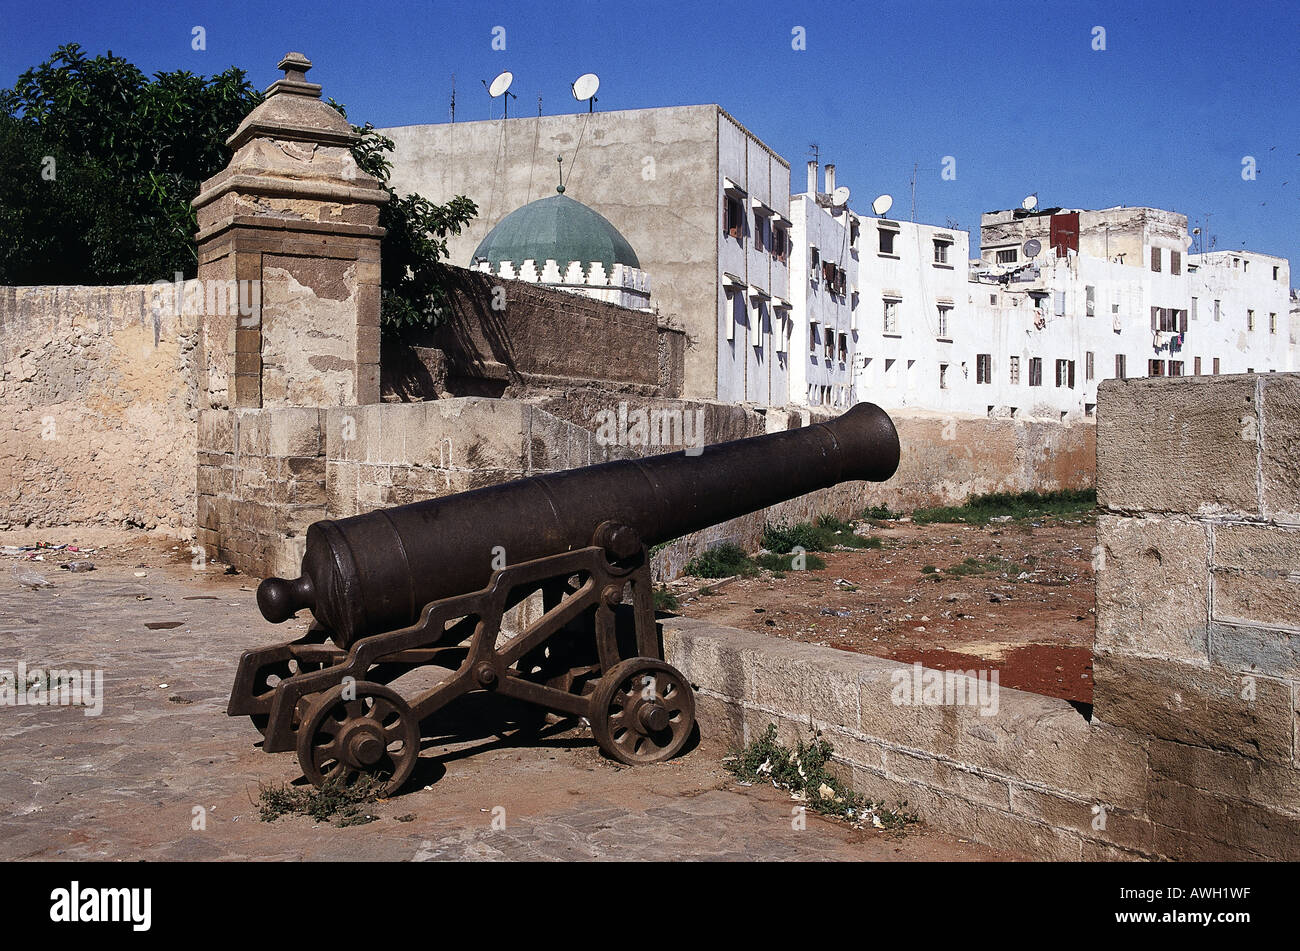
(288, 249)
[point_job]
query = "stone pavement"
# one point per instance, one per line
(129, 783)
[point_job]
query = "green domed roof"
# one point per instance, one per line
(556, 228)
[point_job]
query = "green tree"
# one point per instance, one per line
(99, 164)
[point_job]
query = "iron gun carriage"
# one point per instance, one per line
(427, 584)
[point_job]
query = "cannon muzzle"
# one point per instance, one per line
(377, 571)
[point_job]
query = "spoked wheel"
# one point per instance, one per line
(269, 676)
(642, 711)
(374, 733)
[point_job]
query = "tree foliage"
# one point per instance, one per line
(99, 165)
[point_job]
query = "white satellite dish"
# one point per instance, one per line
(1030, 202)
(585, 86)
(882, 205)
(840, 197)
(501, 84)
(1032, 247)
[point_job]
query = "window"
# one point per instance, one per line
(1175, 262)
(1089, 372)
(1155, 259)
(829, 339)
(814, 261)
(779, 243)
(1276, 272)
(891, 316)
(1217, 311)
(1007, 256)
(1035, 371)
(812, 338)
(844, 348)
(1155, 368)
(1065, 373)
(1168, 319)
(887, 240)
(944, 313)
(983, 368)
(943, 376)
(993, 299)
(1194, 308)
(1175, 367)
(1216, 366)
(1272, 323)
(735, 218)
(761, 226)
(1196, 366)
(1015, 370)
(1245, 266)
(940, 251)
(1121, 369)
(1090, 294)
(1250, 320)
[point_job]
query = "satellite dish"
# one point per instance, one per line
(840, 197)
(1030, 202)
(1032, 247)
(501, 84)
(585, 86)
(882, 205)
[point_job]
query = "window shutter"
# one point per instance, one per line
(1155, 318)
(1182, 321)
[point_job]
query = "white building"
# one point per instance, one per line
(824, 294)
(916, 340)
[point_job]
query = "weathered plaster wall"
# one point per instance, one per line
(97, 407)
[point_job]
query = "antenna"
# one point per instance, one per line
(1030, 202)
(881, 205)
(453, 97)
(815, 151)
(915, 166)
(501, 87)
(539, 105)
(584, 89)
(560, 159)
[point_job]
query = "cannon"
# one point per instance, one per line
(428, 584)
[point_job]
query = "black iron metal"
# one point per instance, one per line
(375, 572)
(424, 584)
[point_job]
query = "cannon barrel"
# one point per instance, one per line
(376, 572)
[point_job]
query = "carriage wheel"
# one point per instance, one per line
(281, 671)
(642, 711)
(373, 733)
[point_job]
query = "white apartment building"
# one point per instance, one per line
(915, 339)
(825, 296)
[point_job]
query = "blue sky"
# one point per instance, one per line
(1014, 92)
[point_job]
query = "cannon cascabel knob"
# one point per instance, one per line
(279, 599)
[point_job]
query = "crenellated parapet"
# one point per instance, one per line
(620, 284)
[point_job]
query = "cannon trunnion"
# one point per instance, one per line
(427, 584)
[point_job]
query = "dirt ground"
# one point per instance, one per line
(1026, 608)
(133, 782)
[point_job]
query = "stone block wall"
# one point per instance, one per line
(1198, 603)
(98, 405)
(261, 483)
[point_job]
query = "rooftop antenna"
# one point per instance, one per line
(539, 105)
(1030, 202)
(453, 97)
(815, 151)
(501, 87)
(881, 205)
(560, 187)
(915, 166)
(584, 89)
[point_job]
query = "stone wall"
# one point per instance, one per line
(97, 407)
(1190, 750)
(503, 337)
(1198, 604)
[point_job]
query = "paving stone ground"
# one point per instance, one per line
(125, 785)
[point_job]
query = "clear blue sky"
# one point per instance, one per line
(1012, 90)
